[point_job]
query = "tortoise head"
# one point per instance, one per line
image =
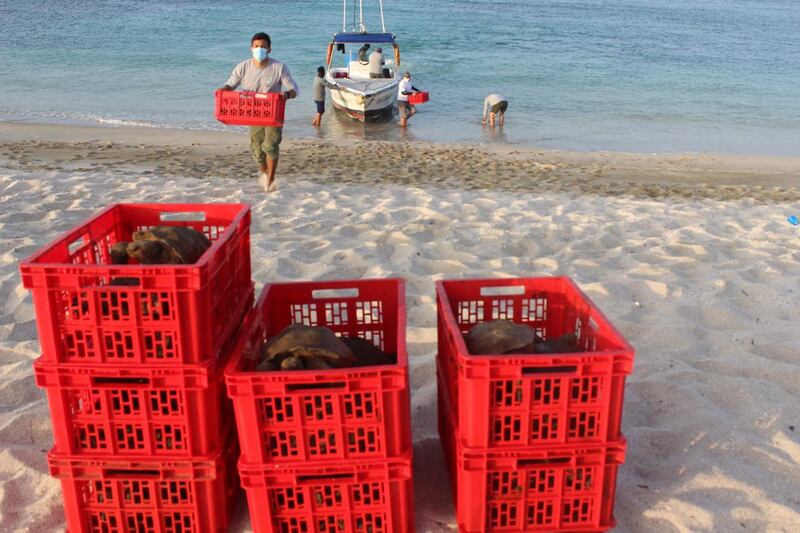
(150, 252)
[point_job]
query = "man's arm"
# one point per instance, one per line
(234, 80)
(485, 107)
(288, 82)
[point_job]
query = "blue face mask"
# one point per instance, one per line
(259, 54)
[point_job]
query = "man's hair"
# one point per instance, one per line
(321, 71)
(261, 36)
(379, 49)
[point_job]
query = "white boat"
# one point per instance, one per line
(353, 91)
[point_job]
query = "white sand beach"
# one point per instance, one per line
(690, 256)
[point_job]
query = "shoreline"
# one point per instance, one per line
(212, 154)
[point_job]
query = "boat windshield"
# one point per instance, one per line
(352, 60)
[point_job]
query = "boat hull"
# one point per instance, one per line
(363, 106)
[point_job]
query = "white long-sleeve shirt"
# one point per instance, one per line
(404, 87)
(492, 100)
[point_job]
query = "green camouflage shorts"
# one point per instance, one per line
(265, 142)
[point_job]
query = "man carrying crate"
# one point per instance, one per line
(262, 74)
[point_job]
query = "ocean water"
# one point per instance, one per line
(628, 75)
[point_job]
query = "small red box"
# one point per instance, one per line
(346, 497)
(343, 414)
(121, 494)
(418, 98)
(241, 108)
(546, 489)
(146, 411)
(537, 399)
(163, 314)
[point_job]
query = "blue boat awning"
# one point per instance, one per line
(363, 38)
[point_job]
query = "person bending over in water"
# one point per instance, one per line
(263, 74)
(497, 105)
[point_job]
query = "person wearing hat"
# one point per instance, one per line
(376, 63)
(404, 89)
(263, 74)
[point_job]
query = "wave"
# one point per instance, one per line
(92, 118)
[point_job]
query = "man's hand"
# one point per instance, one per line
(483, 121)
(225, 88)
(289, 94)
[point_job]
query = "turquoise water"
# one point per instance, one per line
(631, 75)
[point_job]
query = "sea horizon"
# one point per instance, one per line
(639, 76)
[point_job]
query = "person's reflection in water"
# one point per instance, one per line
(495, 135)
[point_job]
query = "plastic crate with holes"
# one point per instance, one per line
(124, 494)
(537, 399)
(351, 414)
(242, 108)
(547, 489)
(148, 411)
(345, 497)
(90, 311)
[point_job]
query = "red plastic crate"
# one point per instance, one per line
(240, 108)
(177, 314)
(553, 489)
(146, 411)
(123, 495)
(418, 98)
(520, 400)
(353, 497)
(339, 414)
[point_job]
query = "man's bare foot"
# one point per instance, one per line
(263, 179)
(272, 187)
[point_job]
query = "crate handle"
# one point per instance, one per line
(306, 386)
(182, 216)
(101, 380)
(566, 369)
(334, 293)
(75, 245)
(305, 479)
(505, 290)
(531, 462)
(121, 473)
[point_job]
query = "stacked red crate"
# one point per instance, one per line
(132, 360)
(532, 441)
(327, 450)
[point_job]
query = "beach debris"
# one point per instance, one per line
(500, 337)
(794, 220)
(507, 337)
(300, 347)
(163, 245)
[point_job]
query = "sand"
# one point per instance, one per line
(695, 264)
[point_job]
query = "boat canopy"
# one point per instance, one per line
(354, 37)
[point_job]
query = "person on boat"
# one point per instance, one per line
(362, 54)
(263, 74)
(376, 63)
(497, 104)
(404, 89)
(319, 96)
